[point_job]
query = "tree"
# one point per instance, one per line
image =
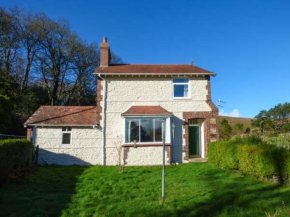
(82, 89)
(239, 129)
(5, 113)
(43, 62)
(10, 59)
(225, 130)
(248, 130)
(285, 128)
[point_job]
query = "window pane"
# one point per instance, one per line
(180, 80)
(66, 138)
(132, 127)
(146, 130)
(158, 130)
(180, 90)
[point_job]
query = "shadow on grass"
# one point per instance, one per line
(45, 193)
(236, 198)
(192, 190)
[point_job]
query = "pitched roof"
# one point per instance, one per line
(64, 115)
(146, 111)
(153, 69)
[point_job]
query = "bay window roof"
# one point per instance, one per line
(146, 111)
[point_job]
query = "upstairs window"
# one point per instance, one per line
(180, 88)
(66, 136)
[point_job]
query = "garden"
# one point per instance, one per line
(198, 189)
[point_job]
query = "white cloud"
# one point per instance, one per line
(234, 113)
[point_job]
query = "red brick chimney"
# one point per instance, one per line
(105, 53)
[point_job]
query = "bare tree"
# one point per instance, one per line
(84, 62)
(54, 54)
(119, 148)
(10, 58)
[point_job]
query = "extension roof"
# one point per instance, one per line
(63, 116)
(146, 111)
(158, 69)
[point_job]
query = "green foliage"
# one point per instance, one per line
(282, 161)
(15, 158)
(239, 128)
(223, 154)
(5, 113)
(44, 62)
(257, 160)
(251, 156)
(272, 120)
(248, 130)
(225, 130)
(268, 125)
(285, 128)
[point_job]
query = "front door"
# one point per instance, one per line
(194, 140)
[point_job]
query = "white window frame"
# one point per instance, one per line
(66, 131)
(167, 129)
(189, 88)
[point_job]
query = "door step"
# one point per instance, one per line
(197, 160)
(195, 156)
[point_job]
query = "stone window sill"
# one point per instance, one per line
(146, 145)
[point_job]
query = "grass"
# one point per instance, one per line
(191, 190)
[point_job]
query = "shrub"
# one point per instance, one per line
(251, 156)
(15, 158)
(282, 161)
(257, 160)
(224, 154)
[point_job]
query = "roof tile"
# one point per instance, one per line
(64, 115)
(152, 69)
(146, 110)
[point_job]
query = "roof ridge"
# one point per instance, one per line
(159, 64)
(68, 106)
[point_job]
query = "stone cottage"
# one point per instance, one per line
(133, 101)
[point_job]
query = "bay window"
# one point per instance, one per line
(144, 130)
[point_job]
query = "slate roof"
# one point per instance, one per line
(153, 69)
(64, 116)
(146, 111)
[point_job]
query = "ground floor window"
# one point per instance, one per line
(143, 130)
(66, 136)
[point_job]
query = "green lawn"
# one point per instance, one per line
(191, 190)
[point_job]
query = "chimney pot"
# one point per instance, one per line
(191, 62)
(105, 39)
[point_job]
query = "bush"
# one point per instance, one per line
(15, 158)
(257, 160)
(251, 156)
(224, 154)
(282, 161)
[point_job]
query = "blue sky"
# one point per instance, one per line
(247, 43)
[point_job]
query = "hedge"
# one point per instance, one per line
(223, 154)
(251, 156)
(15, 158)
(257, 160)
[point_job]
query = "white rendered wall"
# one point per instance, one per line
(85, 148)
(145, 156)
(122, 93)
